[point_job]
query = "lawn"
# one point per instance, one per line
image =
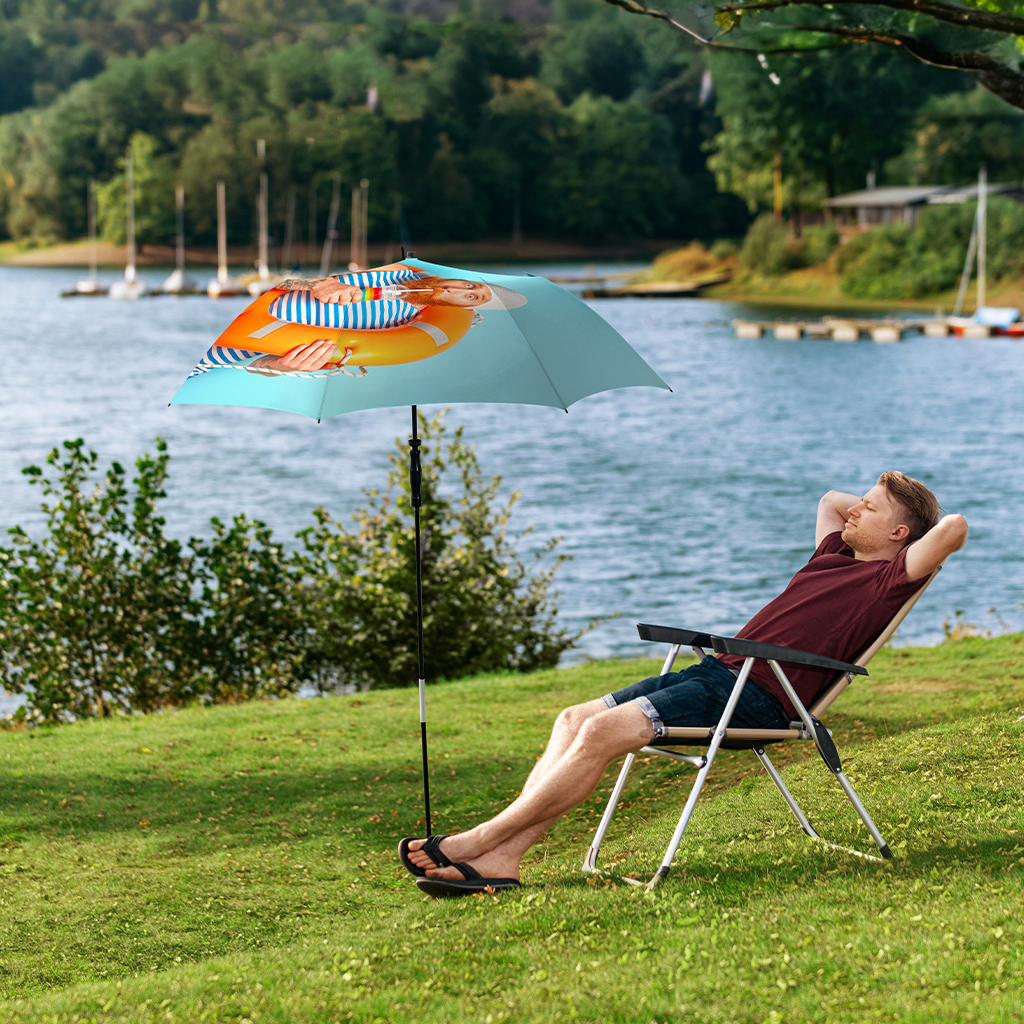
(237, 864)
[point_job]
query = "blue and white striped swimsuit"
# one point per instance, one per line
(299, 307)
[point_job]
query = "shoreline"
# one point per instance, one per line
(501, 250)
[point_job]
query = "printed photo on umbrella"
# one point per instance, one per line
(344, 324)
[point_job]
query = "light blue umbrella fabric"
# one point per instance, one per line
(552, 350)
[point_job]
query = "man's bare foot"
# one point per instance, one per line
(454, 847)
(489, 865)
(460, 848)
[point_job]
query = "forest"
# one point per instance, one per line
(556, 118)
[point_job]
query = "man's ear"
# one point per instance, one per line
(901, 533)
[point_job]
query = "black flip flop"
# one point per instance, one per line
(473, 883)
(430, 848)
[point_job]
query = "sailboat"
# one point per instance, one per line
(91, 285)
(131, 287)
(264, 280)
(179, 283)
(987, 320)
(223, 285)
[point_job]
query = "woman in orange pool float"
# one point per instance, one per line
(392, 315)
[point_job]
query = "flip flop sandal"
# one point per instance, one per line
(430, 848)
(474, 882)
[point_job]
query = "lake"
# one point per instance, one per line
(691, 508)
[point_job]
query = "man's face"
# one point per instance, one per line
(464, 293)
(872, 522)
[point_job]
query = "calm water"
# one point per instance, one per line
(688, 508)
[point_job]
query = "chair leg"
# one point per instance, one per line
(774, 775)
(698, 784)
(883, 846)
(590, 861)
(684, 820)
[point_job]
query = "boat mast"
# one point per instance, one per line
(982, 204)
(91, 213)
(261, 152)
(129, 270)
(332, 226)
(179, 201)
(222, 235)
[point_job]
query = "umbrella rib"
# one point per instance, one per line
(522, 334)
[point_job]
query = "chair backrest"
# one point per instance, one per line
(825, 698)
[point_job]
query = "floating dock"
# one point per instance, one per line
(834, 328)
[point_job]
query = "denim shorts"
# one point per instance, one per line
(697, 697)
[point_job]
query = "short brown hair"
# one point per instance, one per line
(919, 506)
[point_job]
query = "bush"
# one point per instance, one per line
(483, 610)
(98, 617)
(106, 615)
(894, 262)
(770, 249)
(817, 244)
(766, 247)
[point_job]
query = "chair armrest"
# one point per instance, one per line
(752, 649)
(671, 635)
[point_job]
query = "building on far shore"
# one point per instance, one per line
(901, 204)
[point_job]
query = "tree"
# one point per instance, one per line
(153, 182)
(981, 38)
(831, 116)
(954, 133)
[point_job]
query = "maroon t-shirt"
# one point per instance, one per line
(836, 605)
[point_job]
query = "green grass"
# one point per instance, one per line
(237, 864)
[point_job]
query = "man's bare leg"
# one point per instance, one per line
(495, 847)
(563, 732)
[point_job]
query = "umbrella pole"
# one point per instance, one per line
(416, 487)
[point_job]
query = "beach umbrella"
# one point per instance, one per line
(414, 333)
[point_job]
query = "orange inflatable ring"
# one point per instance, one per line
(435, 329)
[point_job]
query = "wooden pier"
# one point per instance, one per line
(834, 328)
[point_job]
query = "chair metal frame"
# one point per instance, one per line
(806, 727)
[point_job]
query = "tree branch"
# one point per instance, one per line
(638, 7)
(966, 17)
(993, 75)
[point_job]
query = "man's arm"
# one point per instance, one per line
(832, 513)
(926, 554)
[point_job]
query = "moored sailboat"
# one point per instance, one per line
(131, 287)
(223, 285)
(179, 283)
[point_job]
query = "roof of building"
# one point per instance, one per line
(899, 195)
(916, 195)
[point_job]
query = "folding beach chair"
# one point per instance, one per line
(807, 727)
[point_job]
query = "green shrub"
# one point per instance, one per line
(106, 615)
(99, 616)
(817, 244)
(894, 262)
(483, 609)
(766, 247)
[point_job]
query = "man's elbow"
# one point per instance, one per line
(954, 526)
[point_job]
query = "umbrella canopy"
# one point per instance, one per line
(414, 333)
(530, 343)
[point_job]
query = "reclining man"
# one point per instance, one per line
(872, 554)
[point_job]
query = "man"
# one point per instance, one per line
(872, 554)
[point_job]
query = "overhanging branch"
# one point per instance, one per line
(966, 17)
(1005, 82)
